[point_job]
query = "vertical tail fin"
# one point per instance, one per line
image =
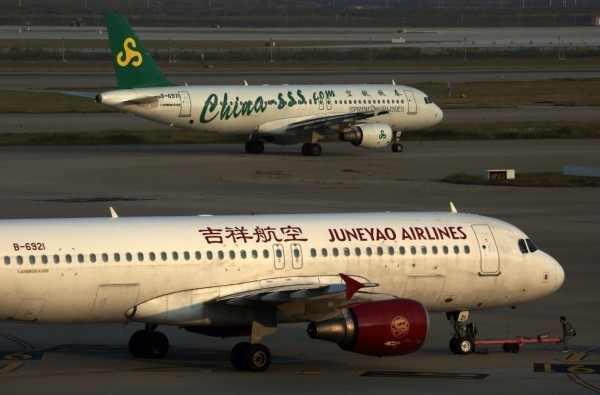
(134, 66)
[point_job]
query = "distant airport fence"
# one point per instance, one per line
(300, 54)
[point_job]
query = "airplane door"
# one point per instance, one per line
(186, 104)
(296, 256)
(490, 259)
(412, 102)
(279, 256)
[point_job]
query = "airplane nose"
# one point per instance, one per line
(438, 115)
(560, 275)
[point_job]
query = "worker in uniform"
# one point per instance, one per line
(568, 332)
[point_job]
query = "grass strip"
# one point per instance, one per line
(547, 180)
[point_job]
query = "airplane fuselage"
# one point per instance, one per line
(169, 270)
(270, 110)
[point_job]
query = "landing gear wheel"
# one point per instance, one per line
(157, 345)
(250, 357)
(465, 345)
(514, 348)
(397, 147)
(461, 346)
(254, 147)
(259, 358)
(506, 347)
(311, 149)
(136, 344)
(153, 345)
(237, 356)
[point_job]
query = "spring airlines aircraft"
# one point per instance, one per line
(243, 275)
(368, 116)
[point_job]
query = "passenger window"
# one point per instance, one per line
(44, 259)
(67, 258)
(175, 256)
(334, 251)
(186, 255)
(221, 254)
(231, 254)
(369, 251)
(467, 250)
(357, 251)
(523, 246)
(198, 255)
(434, 250)
(313, 252)
(32, 259)
(19, 260)
(104, 257)
(209, 255)
(152, 256)
(423, 250)
(266, 253)
(56, 259)
(80, 258)
(402, 250)
(254, 254)
(7, 260)
(379, 251)
(445, 249)
(129, 257)
(531, 245)
(413, 250)
(140, 257)
(163, 256)
(93, 258)
(324, 252)
(278, 253)
(456, 249)
(297, 252)
(391, 250)
(346, 251)
(117, 257)
(243, 254)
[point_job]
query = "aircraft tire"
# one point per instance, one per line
(237, 356)
(254, 147)
(258, 358)
(157, 345)
(397, 147)
(136, 344)
(311, 149)
(514, 348)
(465, 345)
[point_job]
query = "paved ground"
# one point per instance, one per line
(221, 179)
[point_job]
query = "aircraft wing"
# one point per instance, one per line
(303, 299)
(322, 124)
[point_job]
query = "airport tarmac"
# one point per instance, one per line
(221, 179)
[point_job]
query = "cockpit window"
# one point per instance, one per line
(523, 246)
(531, 245)
(527, 246)
(427, 100)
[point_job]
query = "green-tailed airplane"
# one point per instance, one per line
(368, 116)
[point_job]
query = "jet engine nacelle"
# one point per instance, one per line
(379, 328)
(369, 135)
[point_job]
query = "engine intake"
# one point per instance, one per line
(380, 328)
(369, 135)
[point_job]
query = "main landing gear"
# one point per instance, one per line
(396, 146)
(250, 357)
(254, 146)
(311, 149)
(463, 339)
(148, 343)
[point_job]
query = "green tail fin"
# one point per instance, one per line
(133, 65)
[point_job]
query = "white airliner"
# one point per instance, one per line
(368, 116)
(232, 276)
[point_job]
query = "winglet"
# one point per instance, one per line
(452, 208)
(351, 285)
(113, 213)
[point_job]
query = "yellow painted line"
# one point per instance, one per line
(9, 367)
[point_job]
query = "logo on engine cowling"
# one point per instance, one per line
(399, 327)
(382, 135)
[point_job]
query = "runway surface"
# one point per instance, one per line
(221, 179)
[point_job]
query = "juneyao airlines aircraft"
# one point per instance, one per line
(244, 275)
(368, 116)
